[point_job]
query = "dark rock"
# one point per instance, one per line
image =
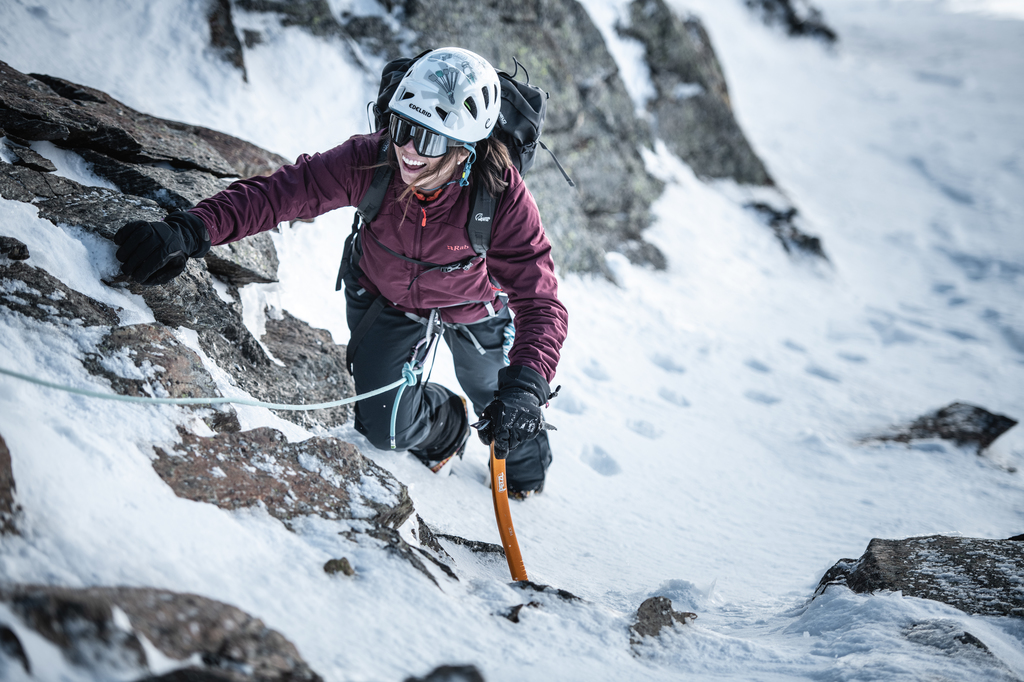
(40, 107)
(513, 613)
(475, 546)
(451, 673)
(981, 577)
(252, 260)
(564, 595)
(170, 188)
(374, 34)
(341, 565)
(319, 476)
(63, 201)
(785, 229)
(35, 293)
(965, 425)
(8, 505)
(392, 540)
(13, 248)
(231, 644)
(246, 159)
(252, 38)
(161, 366)
(28, 157)
(10, 647)
(692, 112)
(801, 20)
(316, 366)
(314, 16)
(654, 615)
(223, 37)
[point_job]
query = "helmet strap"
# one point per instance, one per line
(464, 180)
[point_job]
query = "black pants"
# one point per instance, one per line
(431, 420)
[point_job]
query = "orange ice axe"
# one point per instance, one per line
(499, 493)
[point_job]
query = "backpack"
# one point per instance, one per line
(520, 120)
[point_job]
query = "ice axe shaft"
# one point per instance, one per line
(499, 493)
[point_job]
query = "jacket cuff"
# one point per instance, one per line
(521, 376)
(196, 228)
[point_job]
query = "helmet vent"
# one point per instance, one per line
(471, 105)
(408, 95)
(487, 96)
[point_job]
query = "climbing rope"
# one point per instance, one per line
(205, 401)
(409, 378)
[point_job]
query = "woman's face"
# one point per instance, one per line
(413, 167)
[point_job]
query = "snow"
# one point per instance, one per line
(707, 444)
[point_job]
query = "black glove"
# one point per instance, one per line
(514, 416)
(156, 253)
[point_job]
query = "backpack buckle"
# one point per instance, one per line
(464, 264)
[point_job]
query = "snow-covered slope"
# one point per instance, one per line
(708, 423)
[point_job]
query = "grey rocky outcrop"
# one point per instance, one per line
(964, 424)
(691, 110)
(323, 477)
(101, 630)
(977, 576)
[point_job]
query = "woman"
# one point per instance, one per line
(439, 142)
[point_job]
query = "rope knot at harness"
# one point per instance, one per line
(409, 375)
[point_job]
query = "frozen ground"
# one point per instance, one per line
(706, 445)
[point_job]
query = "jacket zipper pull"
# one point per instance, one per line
(424, 217)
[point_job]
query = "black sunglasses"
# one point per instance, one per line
(426, 142)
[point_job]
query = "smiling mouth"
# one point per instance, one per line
(413, 165)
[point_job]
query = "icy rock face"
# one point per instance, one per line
(691, 109)
(965, 425)
(978, 576)
(8, 505)
(158, 165)
(324, 477)
(103, 630)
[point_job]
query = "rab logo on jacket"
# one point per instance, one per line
(457, 247)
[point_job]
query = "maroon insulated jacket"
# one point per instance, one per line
(519, 258)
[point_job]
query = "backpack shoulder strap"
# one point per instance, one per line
(370, 205)
(367, 210)
(481, 215)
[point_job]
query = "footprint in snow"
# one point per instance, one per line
(568, 402)
(852, 357)
(821, 373)
(668, 363)
(673, 397)
(763, 398)
(595, 371)
(645, 429)
(758, 366)
(600, 461)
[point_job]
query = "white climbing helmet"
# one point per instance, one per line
(450, 91)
